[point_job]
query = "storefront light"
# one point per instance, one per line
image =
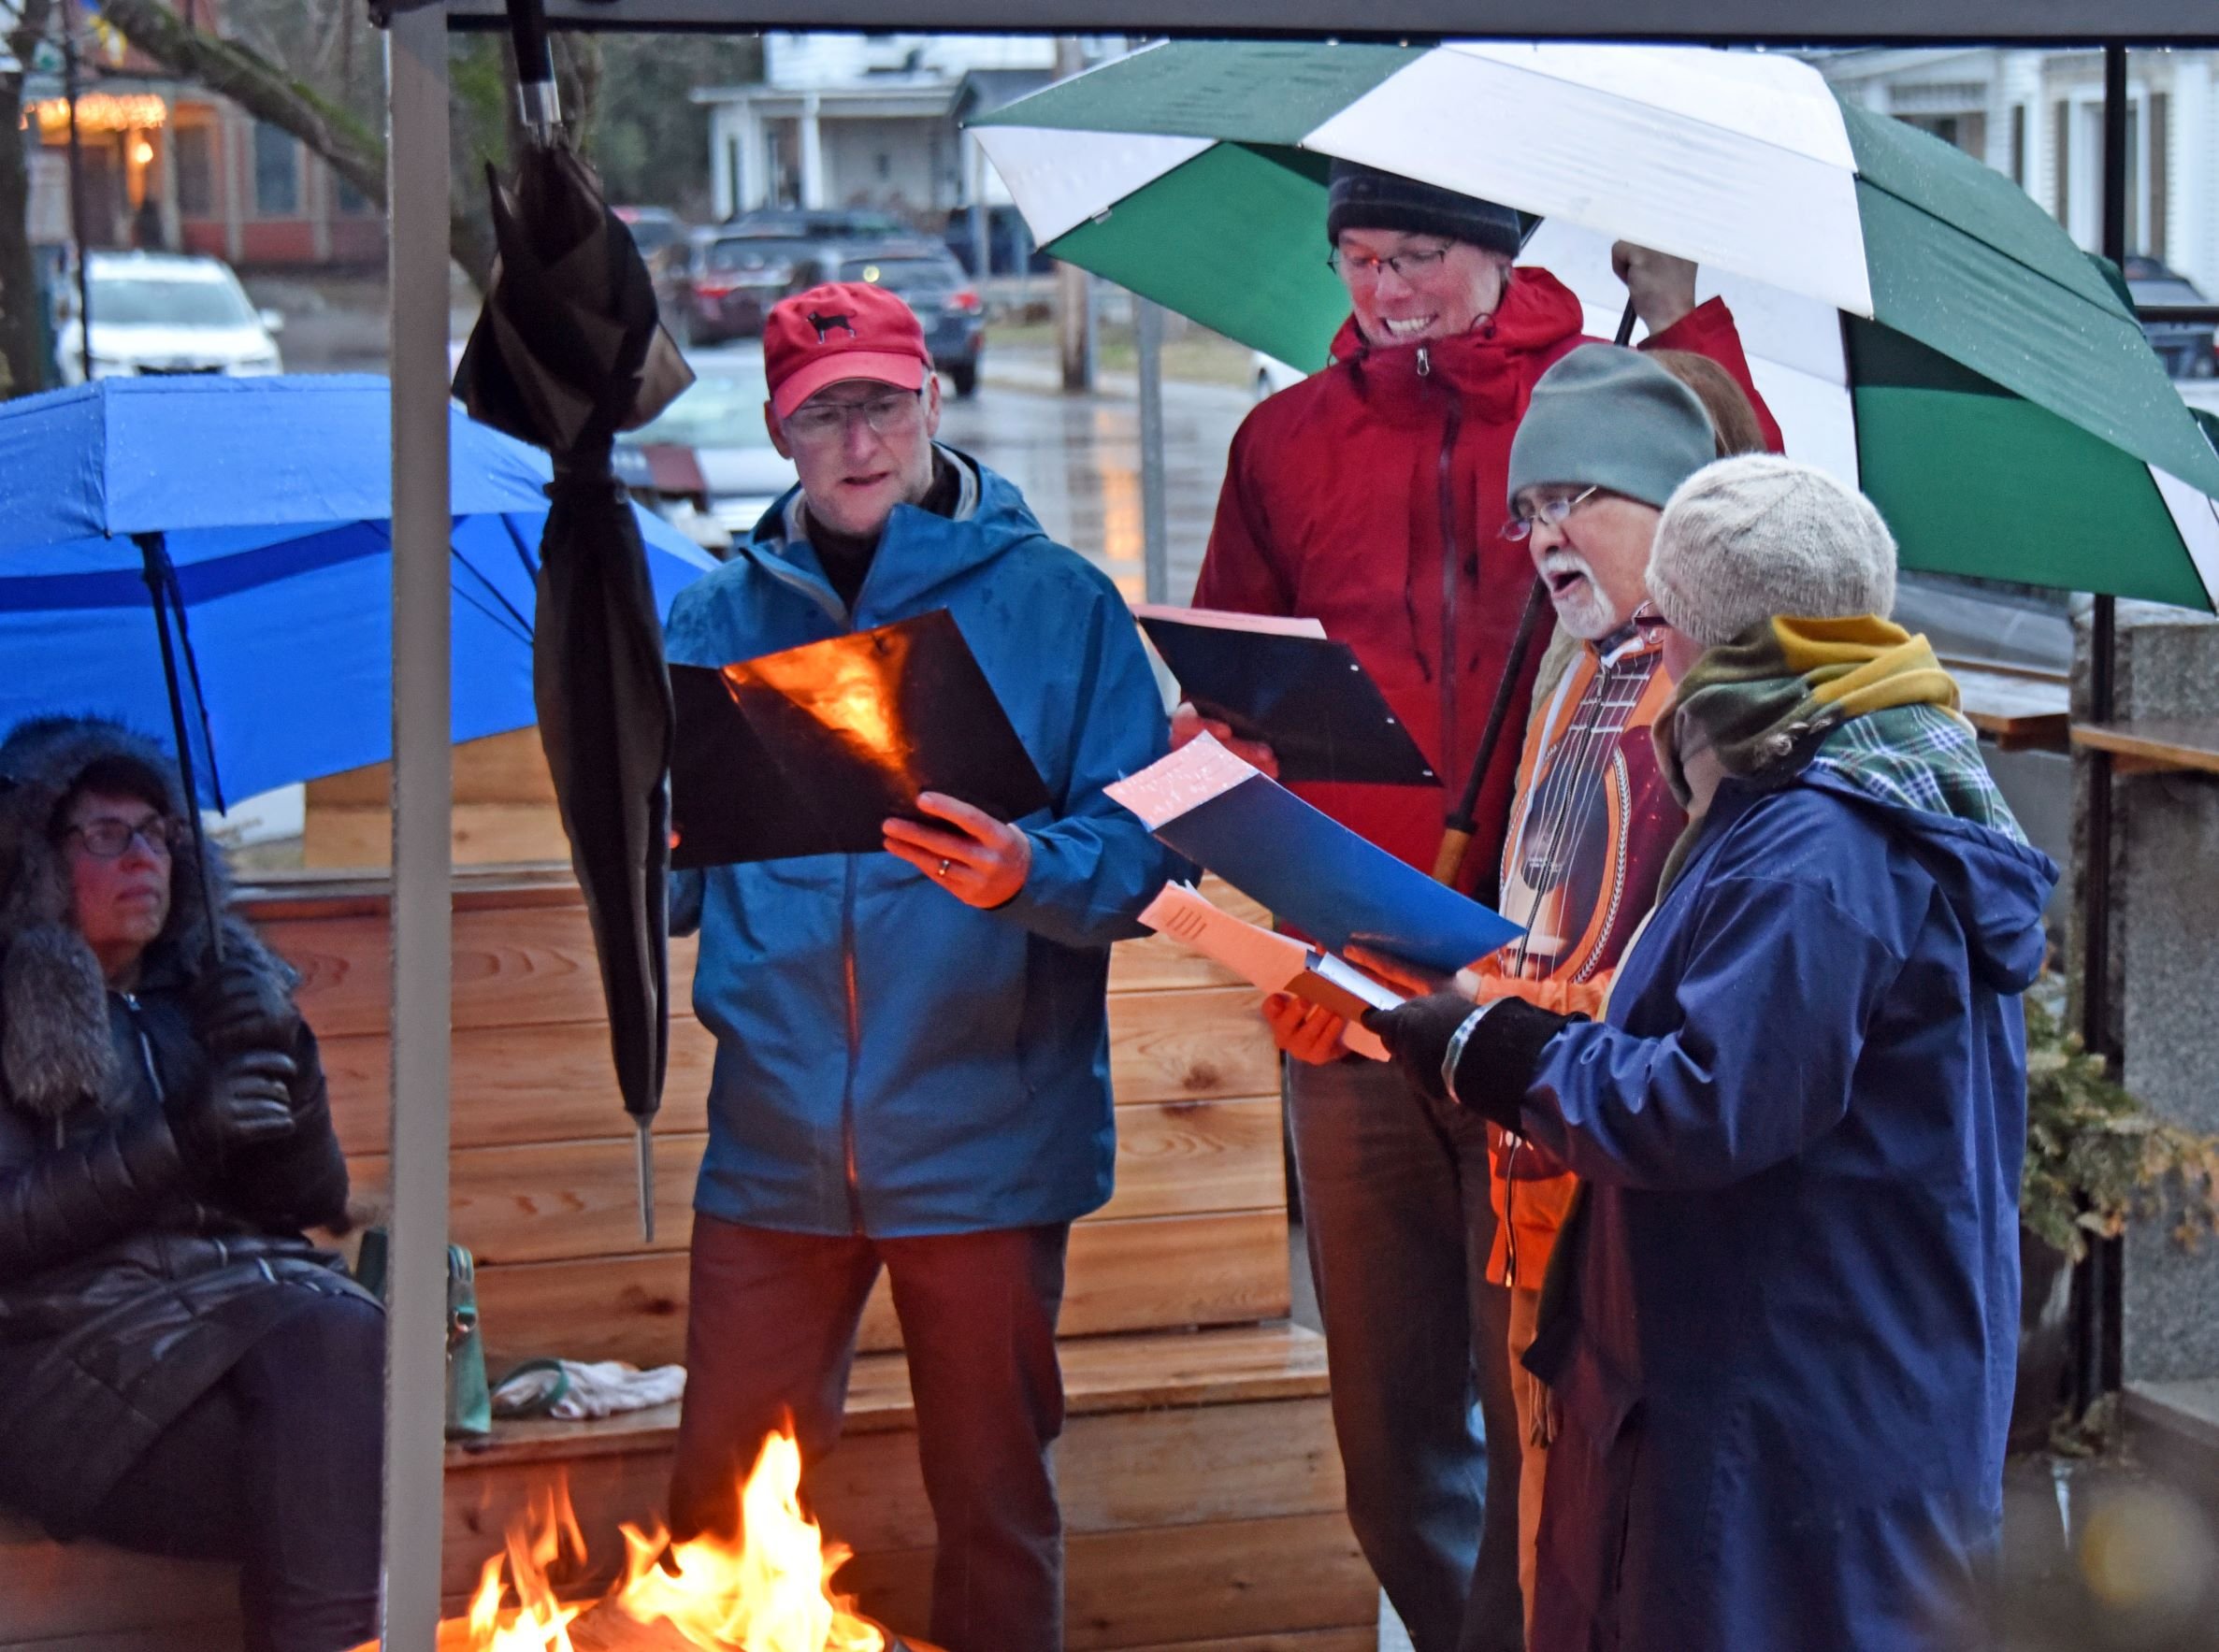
(103, 111)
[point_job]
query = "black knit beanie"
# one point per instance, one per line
(1362, 197)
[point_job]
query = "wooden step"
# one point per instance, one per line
(1194, 1467)
(1230, 1366)
(1200, 1485)
(1223, 1267)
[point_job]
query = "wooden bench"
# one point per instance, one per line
(1201, 1486)
(2018, 711)
(2154, 745)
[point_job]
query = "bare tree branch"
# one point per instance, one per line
(352, 149)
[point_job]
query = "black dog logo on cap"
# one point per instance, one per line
(825, 323)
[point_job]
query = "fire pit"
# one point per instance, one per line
(603, 1629)
(767, 1592)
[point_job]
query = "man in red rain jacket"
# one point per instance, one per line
(1372, 497)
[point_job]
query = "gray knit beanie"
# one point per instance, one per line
(1610, 417)
(1747, 539)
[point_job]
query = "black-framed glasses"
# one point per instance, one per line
(1357, 266)
(1552, 510)
(108, 839)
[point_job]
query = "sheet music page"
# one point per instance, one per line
(1219, 619)
(1266, 960)
(1167, 788)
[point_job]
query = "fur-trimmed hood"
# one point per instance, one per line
(55, 1048)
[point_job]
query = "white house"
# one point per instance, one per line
(2038, 116)
(870, 120)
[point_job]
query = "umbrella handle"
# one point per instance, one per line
(1459, 829)
(539, 104)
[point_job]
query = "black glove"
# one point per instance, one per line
(1495, 1068)
(249, 1101)
(242, 1005)
(1417, 1035)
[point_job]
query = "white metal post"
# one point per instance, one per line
(1147, 330)
(423, 799)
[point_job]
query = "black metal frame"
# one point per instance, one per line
(1814, 23)
(2115, 27)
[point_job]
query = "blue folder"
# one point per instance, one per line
(1318, 877)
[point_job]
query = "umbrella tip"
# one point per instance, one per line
(646, 1148)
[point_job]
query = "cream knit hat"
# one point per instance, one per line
(1748, 538)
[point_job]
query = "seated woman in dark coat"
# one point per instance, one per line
(186, 1373)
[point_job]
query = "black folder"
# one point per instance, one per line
(809, 750)
(1306, 698)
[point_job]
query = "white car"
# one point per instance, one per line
(163, 312)
(706, 461)
(1270, 375)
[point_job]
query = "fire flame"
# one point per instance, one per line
(768, 1591)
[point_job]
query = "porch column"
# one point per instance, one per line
(752, 185)
(166, 162)
(812, 153)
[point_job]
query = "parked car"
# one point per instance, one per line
(653, 228)
(1010, 249)
(719, 284)
(2186, 348)
(715, 286)
(818, 223)
(163, 312)
(705, 462)
(926, 277)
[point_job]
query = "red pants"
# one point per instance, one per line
(772, 1332)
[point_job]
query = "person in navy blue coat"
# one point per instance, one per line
(1781, 1330)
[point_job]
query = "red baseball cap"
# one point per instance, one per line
(840, 330)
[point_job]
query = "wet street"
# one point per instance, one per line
(1076, 458)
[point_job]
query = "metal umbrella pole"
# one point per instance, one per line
(2101, 1273)
(1147, 327)
(169, 608)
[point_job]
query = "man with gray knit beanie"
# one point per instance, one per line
(1783, 1320)
(1371, 497)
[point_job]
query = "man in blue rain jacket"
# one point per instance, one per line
(912, 1054)
(1782, 1331)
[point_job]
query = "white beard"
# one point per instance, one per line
(1587, 613)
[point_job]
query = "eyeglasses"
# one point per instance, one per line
(1356, 266)
(108, 839)
(816, 422)
(1552, 511)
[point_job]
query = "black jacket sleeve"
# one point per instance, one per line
(300, 1181)
(61, 1203)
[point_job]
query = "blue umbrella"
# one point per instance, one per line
(255, 512)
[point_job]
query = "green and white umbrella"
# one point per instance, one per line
(1916, 323)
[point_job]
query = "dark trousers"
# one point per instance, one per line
(279, 1467)
(1396, 1217)
(771, 1333)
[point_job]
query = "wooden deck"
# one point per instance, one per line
(1201, 1488)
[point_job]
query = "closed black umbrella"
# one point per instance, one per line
(568, 351)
